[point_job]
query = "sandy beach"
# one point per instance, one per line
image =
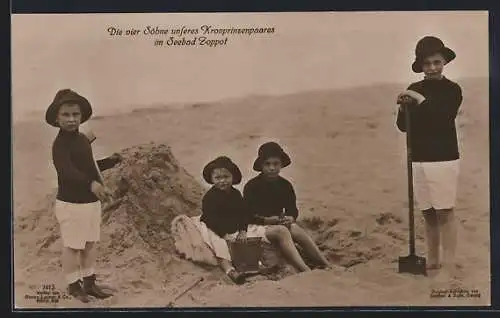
(350, 178)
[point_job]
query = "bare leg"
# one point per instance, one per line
(71, 269)
(230, 271)
(89, 256)
(71, 264)
(281, 236)
(448, 229)
(306, 242)
(432, 237)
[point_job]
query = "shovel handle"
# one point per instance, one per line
(282, 218)
(411, 216)
(171, 303)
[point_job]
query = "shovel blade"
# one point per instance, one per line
(413, 264)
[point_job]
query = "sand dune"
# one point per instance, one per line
(348, 168)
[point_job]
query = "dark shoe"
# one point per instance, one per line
(75, 289)
(92, 289)
(236, 277)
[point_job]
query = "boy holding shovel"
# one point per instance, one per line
(433, 104)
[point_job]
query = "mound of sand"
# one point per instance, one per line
(149, 189)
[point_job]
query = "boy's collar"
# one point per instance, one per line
(220, 190)
(263, 177)
(435, 79)
(69, 133)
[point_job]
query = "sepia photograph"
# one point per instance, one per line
(291, 159)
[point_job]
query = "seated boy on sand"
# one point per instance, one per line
(272, 205)
(224, 214)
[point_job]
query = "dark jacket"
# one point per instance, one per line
(269, 197)
(224, 212)
(433, 132)
(74, 162)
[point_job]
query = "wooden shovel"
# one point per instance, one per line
(412, 263)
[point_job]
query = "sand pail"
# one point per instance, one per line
(246, 256)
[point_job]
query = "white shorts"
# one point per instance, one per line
(79, 223)
(255, 230)
(435, 184)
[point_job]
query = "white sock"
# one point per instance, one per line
(85, 272)
(72, 277)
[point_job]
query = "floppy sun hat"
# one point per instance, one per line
(67, 96)
(222, 162)
(271, 149)
(427, 46)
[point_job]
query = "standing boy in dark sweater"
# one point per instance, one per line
(433, 104)
(80, 192)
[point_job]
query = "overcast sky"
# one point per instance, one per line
(307, 51)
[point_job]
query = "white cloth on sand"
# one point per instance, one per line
(187, 240)
(189, 243)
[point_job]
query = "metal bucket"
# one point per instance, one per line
(246, 256)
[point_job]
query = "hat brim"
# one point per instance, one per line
(448, 54)
(284, 157)
(231, 167)
(53, 109)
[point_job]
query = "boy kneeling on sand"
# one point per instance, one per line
(433, 104)
(273, 209)
(224, 213)
(79, 195)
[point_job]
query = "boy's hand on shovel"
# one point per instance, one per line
(410, 97)
(405, 99)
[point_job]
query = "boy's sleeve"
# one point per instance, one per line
(245, 213)
(401, 121)
(107, 163)
(445, 106)
(291, 202)
(65, 168)
(250, 203)
(209, 216)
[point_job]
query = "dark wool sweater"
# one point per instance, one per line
(75, 166)
(266, 198)
(432, 124)
(224, 212)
